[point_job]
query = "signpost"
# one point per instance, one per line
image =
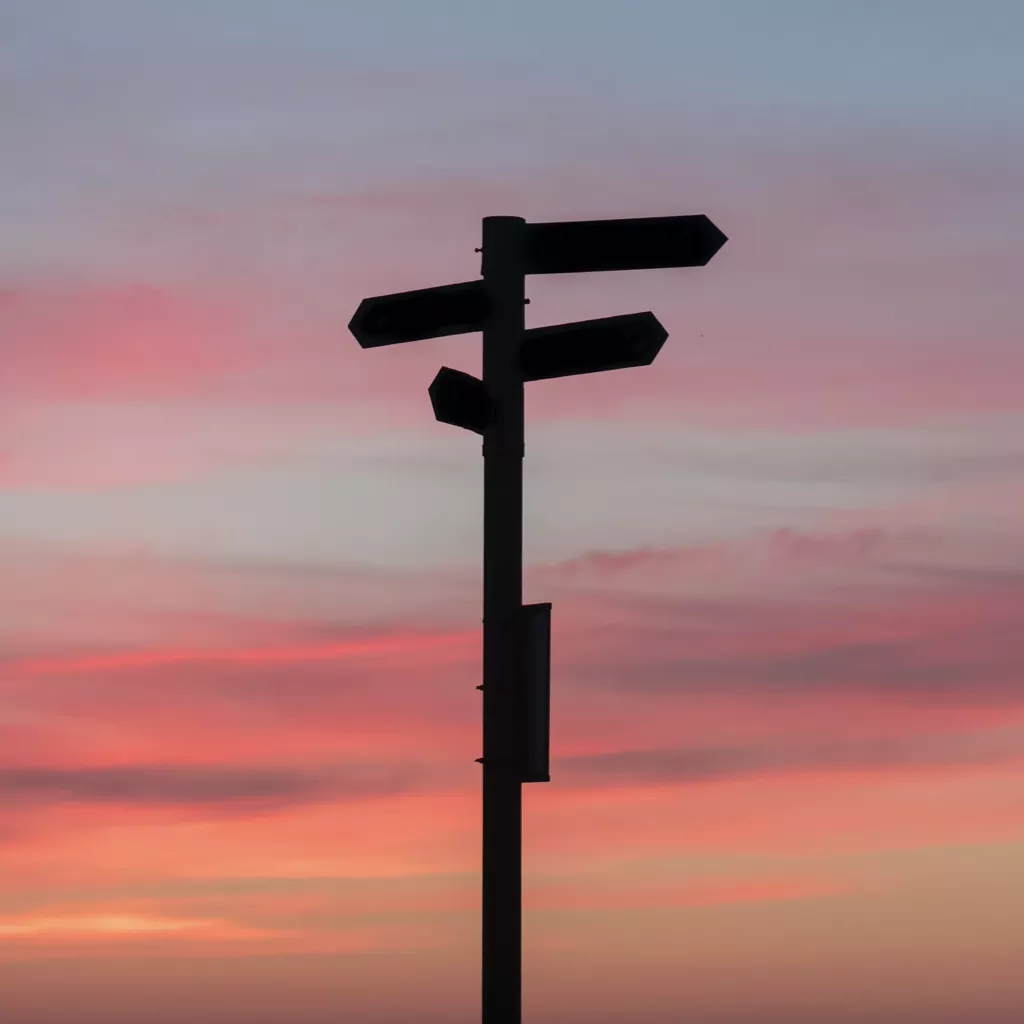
(516, 658)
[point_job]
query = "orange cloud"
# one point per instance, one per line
(616, 893)
(99, 932)
(118, 926)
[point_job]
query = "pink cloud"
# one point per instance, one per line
(75, 845)
(749, 661)
(778, 715)
(621, 893)
(773, 550)
(159, 928)
(805, 236)
(810, 816)
(140, 341)
(755, 337)
(124, 441)
(798, 385)
(287, 655)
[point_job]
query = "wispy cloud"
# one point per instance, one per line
(114, 926)
(871, 754)
(136, 340)
(186, 785)
(633, 893)
(783, 546)
(294, 654)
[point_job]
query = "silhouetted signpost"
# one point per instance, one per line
(517, 638)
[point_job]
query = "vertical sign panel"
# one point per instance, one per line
(537, 685)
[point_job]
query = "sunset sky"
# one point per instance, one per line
(240, 561)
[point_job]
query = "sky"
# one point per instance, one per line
(240, 561)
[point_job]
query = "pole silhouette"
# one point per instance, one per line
(503, 452)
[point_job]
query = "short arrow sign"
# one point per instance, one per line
(460, 399)
(639, 243)
(426, 313)
(611, 343)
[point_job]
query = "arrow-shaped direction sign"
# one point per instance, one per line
(460, 399)
(416, 316)
(639, 243)
(611, 343)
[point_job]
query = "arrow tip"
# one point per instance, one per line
(714, 238)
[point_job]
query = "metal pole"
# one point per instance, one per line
(503, 450)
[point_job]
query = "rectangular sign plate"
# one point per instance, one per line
(537, 671)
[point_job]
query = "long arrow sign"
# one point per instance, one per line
(416, 316)
(638, 243)
(610, 343)
(560, 247)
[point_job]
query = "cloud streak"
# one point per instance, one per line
(191, 785)
(883, 754)
(292, 654)
(136, 340)
(121, 926)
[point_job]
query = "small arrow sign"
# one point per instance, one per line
(639, 243)
(418, 315)
(460, 399)
(611, 343)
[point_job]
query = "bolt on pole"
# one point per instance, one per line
(503, 451)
